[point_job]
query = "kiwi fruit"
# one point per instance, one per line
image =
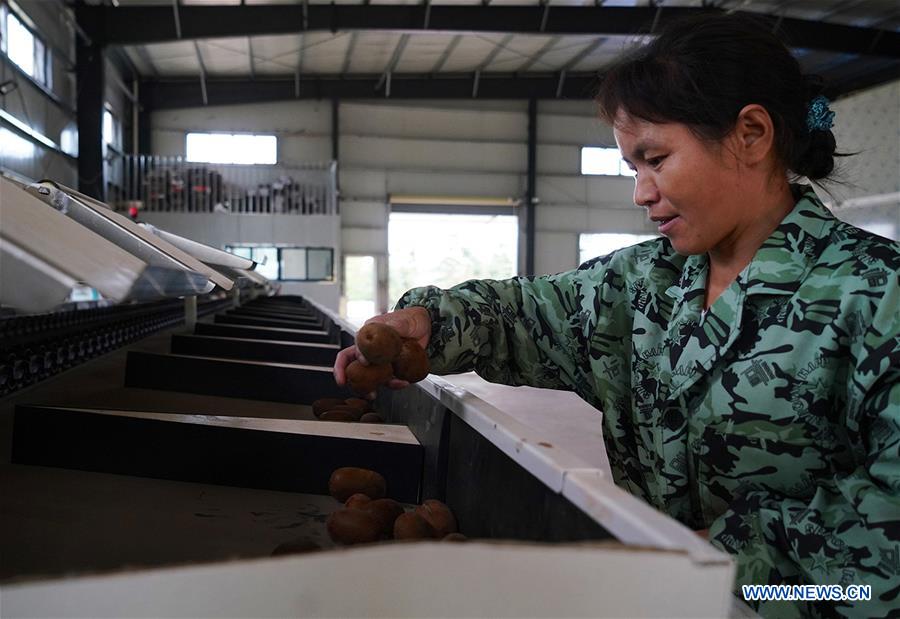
(357, 500)
(365, 379)
(372, 418)
(411, 364)
(353, 526)
(385, 511)
(412, 526)
(325, 404)
(350, 480)
(439, 516)
(357, 403)
(378, 343)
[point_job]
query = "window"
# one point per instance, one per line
(593, 245)
(110, 128)
(27, 51)
(602, 160)
(231, 148)
(467, 247)
(289, 263)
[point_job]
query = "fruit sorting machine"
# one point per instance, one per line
(152, 461)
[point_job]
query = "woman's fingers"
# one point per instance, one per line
(343, 359)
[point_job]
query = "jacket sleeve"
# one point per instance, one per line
(519, 331)
(849, 532)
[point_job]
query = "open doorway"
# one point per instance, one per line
(444, 250)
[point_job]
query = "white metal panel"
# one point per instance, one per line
(300, 118)
(388, 120)
(567, 49)
(373, 52)
(470, 53)
(364, 214)
(276, 55)
(433, 154)
(360, 183)
(364, 241)
(324, 52)
(423, 52)
(585, 130)
(558, 159)
(174, 58)
(229, 56)
(443, 182)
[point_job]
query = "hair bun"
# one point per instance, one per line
(815, 159)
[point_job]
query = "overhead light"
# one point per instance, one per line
(7, 87)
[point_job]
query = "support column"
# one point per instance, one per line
(190, 313)
(336, 138)
(530, 193)
(91, 80)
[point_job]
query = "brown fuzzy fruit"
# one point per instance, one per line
(357, 500)
(412, 526)
(350, 480)
(378, 343)
(358, 403)
(365, 379)
(454, 537)
(372, 418)
(325, 404)
(411, 364)
(386, 512)
(338, 415)
(352, 526)
(439, 516)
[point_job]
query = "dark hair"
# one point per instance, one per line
(703, 70)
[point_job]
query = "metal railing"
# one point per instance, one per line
(158, 183)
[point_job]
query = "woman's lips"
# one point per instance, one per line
(667, 224)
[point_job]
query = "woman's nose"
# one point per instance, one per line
(645, 192)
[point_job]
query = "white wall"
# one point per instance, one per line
(868, 123)
(451, 148)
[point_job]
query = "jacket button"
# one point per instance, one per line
(673, 418)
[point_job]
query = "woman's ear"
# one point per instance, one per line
(754, 135)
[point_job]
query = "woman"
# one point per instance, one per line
(748, 361)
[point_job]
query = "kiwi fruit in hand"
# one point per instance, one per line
(411, 364)
(378, 342)
(365, 379)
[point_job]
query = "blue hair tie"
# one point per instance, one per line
(818, 116)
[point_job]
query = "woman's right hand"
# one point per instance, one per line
(413, 322)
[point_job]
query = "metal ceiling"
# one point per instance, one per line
(215, 51)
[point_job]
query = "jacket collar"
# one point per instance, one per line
(786, 257)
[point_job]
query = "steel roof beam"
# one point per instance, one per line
(133, 25)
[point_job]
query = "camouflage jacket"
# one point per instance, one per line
(773, 419)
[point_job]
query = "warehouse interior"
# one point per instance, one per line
(346, 151)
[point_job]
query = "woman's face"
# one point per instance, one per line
(687, 185)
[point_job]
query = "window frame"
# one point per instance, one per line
(229, 247)
(40, 50)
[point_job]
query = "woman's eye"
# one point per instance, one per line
(654, 162)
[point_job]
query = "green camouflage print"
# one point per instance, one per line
(774, 419)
